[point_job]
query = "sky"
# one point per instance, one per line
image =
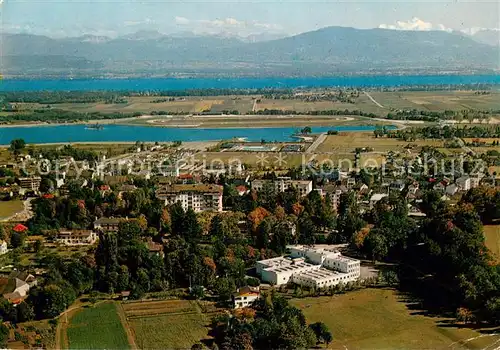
(61, 18)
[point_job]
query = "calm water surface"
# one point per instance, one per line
(129, 133)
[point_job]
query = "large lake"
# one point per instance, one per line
(129, 133)
(165, 84)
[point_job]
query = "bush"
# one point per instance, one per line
(253, 282)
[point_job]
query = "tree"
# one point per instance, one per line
(17, 145)
(323, 334)
(197, 292)
(4, 334)
(17, 239)
(306, 130)
(256, 216)
(52, 299)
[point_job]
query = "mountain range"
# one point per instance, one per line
(330, 50)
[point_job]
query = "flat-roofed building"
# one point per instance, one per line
(30, 183)
(282, 184)
(311, 266)
(198, 197)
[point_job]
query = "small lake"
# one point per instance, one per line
(132, 133)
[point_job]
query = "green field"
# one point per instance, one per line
(179, 331)
(492, 239)
(420, 100)
(97, 327)
(9, 208)
(380, 319)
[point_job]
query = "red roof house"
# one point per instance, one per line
(20, 228)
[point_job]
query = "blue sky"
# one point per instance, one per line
(59, 18)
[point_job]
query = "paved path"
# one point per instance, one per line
(373, 100)
(319, 140)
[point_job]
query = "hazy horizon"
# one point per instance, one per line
(240, 18)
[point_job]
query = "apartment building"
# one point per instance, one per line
(199, 197)
(282, 184)
(30, 183)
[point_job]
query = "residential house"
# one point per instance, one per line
(451, 190)
(16, 286)
(464, 183)
(397, 185)
(3, 247)
(376, 197)
(440, 186)
(242, 190)
(76, 237)
(245, 296)
(155, 248)
(20, 228)
(108, 224)
(413, 188)
(351, 182)
(125, 188)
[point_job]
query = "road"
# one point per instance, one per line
(373, 100)
(319, 140)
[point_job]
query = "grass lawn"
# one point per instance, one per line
(97, 327)
(492, 239)
(347, 142)
(378, 319)
(170, 331)
(9, 208)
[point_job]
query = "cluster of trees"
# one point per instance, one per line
(322, 112)
(438, 132)
(442, 259)
(64, 116)
(434, 116)
(272, 323)
(56, 97)
(77, 154)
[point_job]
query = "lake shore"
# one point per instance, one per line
(222, 121)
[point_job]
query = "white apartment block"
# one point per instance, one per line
(197, 197)
(312, 266)
(282, 184)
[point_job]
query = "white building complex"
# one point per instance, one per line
(197, 197)
(311, 266)
(282, 184)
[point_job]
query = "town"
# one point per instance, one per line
(225, 237)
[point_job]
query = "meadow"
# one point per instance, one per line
(381, 319)
(170, 324)
(492, 239)
(9, 208)
(97, 327)
(389, 100)
(349, 141)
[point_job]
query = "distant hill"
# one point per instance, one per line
(332, 49)
(487, 36)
